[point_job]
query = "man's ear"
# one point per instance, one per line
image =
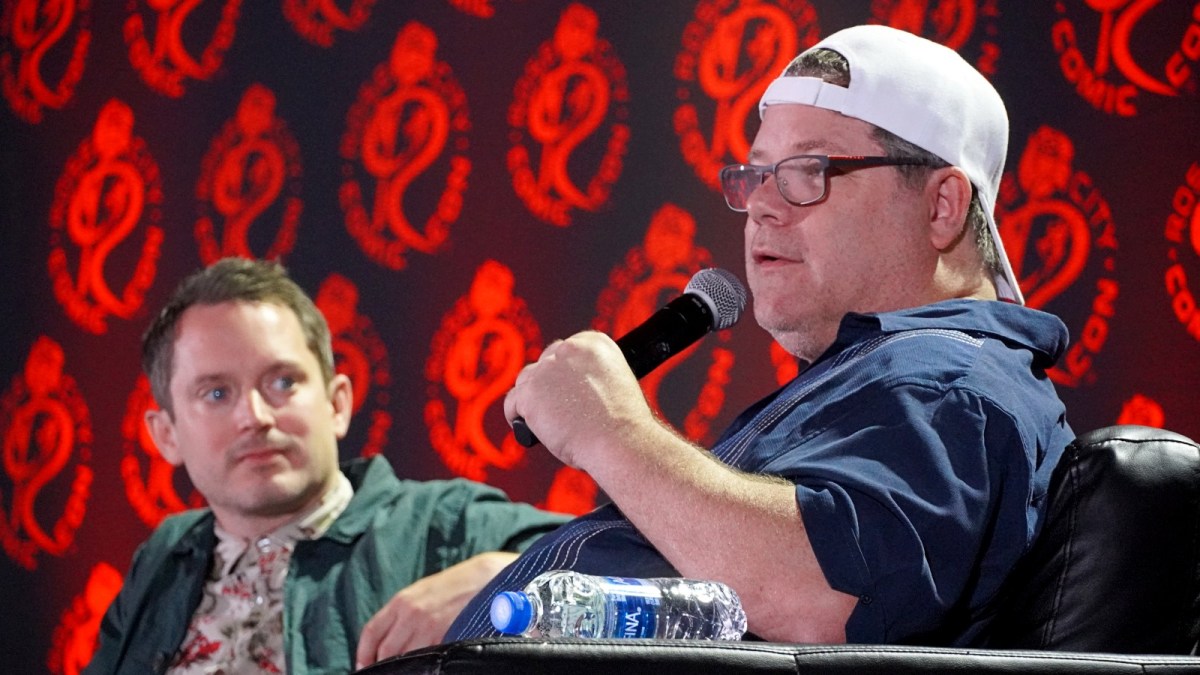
(341, 397)
(950, 191)
(162, 430)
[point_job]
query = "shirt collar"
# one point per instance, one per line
(311, 524)
(1041, 333)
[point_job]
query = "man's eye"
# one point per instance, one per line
(217, 394)
(285, 382)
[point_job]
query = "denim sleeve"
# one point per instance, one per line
(916, 504)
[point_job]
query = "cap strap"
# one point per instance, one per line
(804, 90)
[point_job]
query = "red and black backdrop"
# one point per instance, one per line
(457, 182)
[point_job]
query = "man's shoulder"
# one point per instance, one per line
(445, 503)
(382, 500)
(375, 478)
(445, 494)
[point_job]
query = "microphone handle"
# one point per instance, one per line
(669, 331)
(523, 433)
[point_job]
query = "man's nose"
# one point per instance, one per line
(253, 411)
(766, 201)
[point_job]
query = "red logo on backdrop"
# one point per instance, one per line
(361, 355)
(963, 25)
(572, 491)
(40, 34)
(1112, 52)
(1059, 234)
(318, 21)
(1142, 410)
(483, 342)
(732, 50)
(152, 485)
(480, 8)
(74, 641)
(568, 108)
(1183, 240)
(398, 131)
(651, 276)
(47, 448)
(160, 46)
(786, 366)
(108, 191)
(250, 174)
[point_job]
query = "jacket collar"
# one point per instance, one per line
(374, 484)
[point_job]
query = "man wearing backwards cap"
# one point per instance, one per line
(885, 493)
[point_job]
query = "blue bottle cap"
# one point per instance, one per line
(512, 612)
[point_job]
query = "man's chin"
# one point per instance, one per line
(785, 332)
(795, 341)
(280, 494)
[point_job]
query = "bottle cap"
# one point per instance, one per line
(512, 612)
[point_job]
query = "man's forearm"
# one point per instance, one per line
(711, 521)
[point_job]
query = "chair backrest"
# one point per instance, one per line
(1116, 567)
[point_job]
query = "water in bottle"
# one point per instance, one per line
(561, 603)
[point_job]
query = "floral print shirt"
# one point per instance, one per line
(238, 626)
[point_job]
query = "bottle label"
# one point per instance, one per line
(633, 605)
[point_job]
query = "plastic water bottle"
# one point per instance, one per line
(562, 603)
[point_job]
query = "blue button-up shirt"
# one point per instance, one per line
(921, 446)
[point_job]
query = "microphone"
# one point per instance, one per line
(713, 300)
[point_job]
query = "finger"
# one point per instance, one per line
(510, 406)
(372, 634)
(399, 640)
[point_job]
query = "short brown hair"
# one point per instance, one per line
(230, 280)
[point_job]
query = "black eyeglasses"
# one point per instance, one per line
(802, 179)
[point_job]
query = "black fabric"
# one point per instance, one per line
(1115, 566)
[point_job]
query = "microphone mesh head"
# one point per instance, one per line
(722, 292)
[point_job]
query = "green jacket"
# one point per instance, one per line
(391, 534)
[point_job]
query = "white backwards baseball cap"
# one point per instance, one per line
(924, 93)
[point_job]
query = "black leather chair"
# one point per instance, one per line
(1112, 585)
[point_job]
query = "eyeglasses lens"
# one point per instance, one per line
(738, 182)
(801, 180)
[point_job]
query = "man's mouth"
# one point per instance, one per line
(767, 257)
(258, 453)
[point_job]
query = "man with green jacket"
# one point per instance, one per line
(296, 565)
